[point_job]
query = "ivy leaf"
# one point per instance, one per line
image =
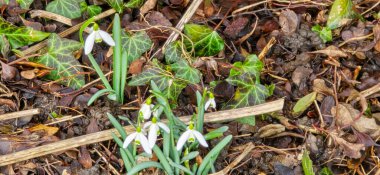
(185, 72)
(20, 36)
(341, 11)
(116, 4)
(135, 45)
(68, 8)
(159, 76)
(174, 89)
(91, 10)
(134, 4)
(24, 4)
(173, 53)
(60, 57)
(206, 41)
(249, 93)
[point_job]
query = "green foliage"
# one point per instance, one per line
(116, 4)
(152, 73)
(173, 53)
(185, 72)
(59, 56)
(307, 164)
(324, 33)
(326, 171)
(24, 4)
(90, 10)
(134, 3)
(341, 11)
(174, 88)
(206, 41)
(20, 36)
(68, 8)
(246, 76)
(303, 103)
(135, 45)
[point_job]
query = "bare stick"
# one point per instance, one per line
(52, 16)
(71, 143)
(370, 91)
(19, 114)
(65, 33)
(185, 18)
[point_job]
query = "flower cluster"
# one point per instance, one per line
(153, 127)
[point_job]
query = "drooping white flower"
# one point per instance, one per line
(97, 35)
(190, 135)
(154, 130)
(139, 139)
(210, 101)
(146, 109)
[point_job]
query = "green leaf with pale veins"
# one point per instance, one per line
(134, 4)
(93, 10)
(341, 11)
(60, 57)
(174, 89)
(24, 4)
(116, 4)
(20, 36)
(206, 41)
(135, 45)
(158, 75)
(68, 8)
(252, 66)
(248, 93)
(185, 72)
(173, 53)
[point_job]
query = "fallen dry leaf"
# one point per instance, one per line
(270, 130)
(136, 66)
(7, 72)
(319, 85)
(148, 5)
(49, 130)
(10, 103)
(331, 51)
(351, 150)
(93, 126)
(85, 158)
(289, 21)
(348, 116)
(233, 30)
(28, 74)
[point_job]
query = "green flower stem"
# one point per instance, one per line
(163, 161)
(99, 72)
(116, 31)
(201, 110)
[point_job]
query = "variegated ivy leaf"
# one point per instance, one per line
(158, 75)
(60, 57)
(90, 10)
(20, 36)
(174, 89)
(341, 11)
(173, 53)
(185, 72)
(68, 8)
(116, 4)
(206, 41)
(24, 4)
(249, 93)
(252, 66)
(134, 4)
(135, 45)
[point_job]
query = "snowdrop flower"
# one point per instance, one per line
(190, 135)
(146, 109)
(154, 130)
(210, 101)
(139, 139)
(97, 36)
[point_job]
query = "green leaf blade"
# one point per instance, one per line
(59, 56)
(206, 41)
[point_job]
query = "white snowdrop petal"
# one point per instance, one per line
(147, 124)
(152, 136)
(213, 103)
(208, 102)
(129, 139)
(89, 43)
(144, 143)
(182, 139)
(200, 138)
(106, 38)
(163, 127)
